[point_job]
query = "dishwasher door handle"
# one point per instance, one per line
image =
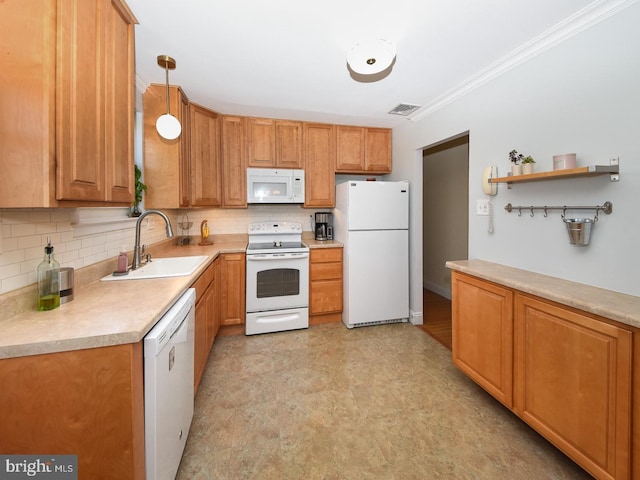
(180, 335)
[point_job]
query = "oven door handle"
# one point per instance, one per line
(277, 256)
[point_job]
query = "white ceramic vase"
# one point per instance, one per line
(527, 168)
(516, 170)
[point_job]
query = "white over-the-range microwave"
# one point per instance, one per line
(275, 185)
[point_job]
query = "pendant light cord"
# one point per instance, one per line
(166, 69)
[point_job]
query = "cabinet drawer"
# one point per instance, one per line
(325, 271)
(203, 281)
(323, 255)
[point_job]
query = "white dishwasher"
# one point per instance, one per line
(168, 388)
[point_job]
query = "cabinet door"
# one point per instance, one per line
(234, 162)
(200, 340)
(205, 157)
(232, 293)
(87, 402)
(482, 327)
(261, 134)
(288, 144)
(80, 103)
(320, 165)
(184, 142)
(119, 84)
(350, 143)
(378, 150)
(573, 384)
(27, 108)
(166, 162)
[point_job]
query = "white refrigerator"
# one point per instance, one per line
(371, 219)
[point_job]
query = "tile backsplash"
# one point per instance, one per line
(82, 237)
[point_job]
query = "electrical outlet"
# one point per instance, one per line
(482, 207)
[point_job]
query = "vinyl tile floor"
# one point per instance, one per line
(377, 402)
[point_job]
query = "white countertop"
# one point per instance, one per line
(605, 303)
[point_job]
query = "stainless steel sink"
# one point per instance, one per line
(162, 268)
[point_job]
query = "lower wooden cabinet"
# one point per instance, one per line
(87, 402)
(573, 383)
(325, 285)
(482, 343)
(565, 372)
(205, 312)
(232, 289)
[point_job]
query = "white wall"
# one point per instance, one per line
(581, 96)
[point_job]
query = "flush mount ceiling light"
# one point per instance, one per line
(167, 125)
(371, 56)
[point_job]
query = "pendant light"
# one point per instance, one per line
(167, 125)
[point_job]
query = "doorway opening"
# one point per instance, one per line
(445, 211)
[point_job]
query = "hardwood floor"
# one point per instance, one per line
(437, 317)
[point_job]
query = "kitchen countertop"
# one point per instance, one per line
(104, 313)
(605, 303)
(313, 243)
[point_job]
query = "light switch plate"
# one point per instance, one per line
(482, 207)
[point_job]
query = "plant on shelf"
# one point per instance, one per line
(140, 188)
(527, 164)
(520, 163)
(515, 157)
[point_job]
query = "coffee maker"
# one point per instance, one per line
(323, 226)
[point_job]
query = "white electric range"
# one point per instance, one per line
(277, 278)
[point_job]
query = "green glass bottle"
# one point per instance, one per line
(48, 280)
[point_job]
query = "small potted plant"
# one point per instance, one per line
(527, 164)
(515, 158)
(140, 188)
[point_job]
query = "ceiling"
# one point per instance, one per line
(287, 58)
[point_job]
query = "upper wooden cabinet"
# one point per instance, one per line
(185, 172)
(274, 143)
(206, 183)
(363, 150)
(66, 120)
(320, 161)
(289, 144)
(234, 161)
(167, 168)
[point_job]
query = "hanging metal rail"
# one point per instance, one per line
(607, 208)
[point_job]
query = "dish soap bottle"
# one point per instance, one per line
(48, 280)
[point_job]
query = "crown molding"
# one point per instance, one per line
(141, 83)
(582, 20)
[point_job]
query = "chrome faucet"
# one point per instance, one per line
(137, 248)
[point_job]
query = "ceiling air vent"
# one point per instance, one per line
(404, 109)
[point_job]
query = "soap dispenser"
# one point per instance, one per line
(48, 274)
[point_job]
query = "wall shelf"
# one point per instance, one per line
(592, 170)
